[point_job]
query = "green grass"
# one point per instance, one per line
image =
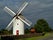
(39, 37)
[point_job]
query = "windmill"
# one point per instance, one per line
(18, 20)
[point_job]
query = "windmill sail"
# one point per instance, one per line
(22, 18)
(9, 25)
(9, 11)
(22, 8)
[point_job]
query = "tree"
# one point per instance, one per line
(42, 26)
(5, 32)
(27, 30)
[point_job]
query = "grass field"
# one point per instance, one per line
(39, 37)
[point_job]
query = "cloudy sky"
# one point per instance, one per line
(35, 10)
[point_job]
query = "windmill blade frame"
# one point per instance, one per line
(22, 8)
(22, 18)
(8, 26)
(8, 10)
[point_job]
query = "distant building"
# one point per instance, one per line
(32, 30)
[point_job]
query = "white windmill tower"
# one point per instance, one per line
(18, 20)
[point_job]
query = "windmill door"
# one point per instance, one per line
(17, 32)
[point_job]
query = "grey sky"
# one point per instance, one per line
(35, 10)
